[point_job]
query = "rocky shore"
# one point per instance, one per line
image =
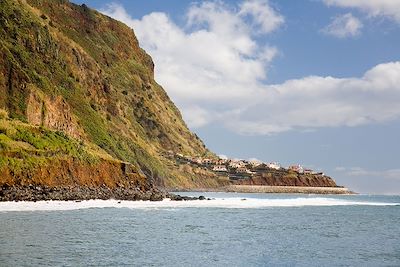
(77, 193)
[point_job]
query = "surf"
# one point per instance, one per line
(229, 203)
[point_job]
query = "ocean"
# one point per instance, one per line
(231, 230)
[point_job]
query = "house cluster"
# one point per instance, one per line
(237, 169)
(300, 169)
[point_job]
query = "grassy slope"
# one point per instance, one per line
(24, 147)
(96, 65)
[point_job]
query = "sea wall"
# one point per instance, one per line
(286, 189)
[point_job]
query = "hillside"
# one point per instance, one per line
(71, 69)
(79, 106)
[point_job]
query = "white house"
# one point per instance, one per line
(196, 160)
(236, 164)
(308, 171)
(243, 170)
(222, 161)
(274, 165)
(220, 168)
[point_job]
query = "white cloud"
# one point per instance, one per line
(344, 26)
(340, 169)
(196, 116)
(118, 12)
(386, 8)
(214, 70)
(314, 102)
(361, 172)
(264, 15)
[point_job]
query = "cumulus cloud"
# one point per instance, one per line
(314, 102)
(344, 26)
(264, 15)
(386, 8)
(214, 70)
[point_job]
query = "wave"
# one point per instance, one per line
(238, 203)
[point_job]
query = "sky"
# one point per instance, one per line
(310, 82)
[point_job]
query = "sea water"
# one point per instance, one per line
(229, 230)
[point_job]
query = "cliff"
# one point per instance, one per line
(288, 178)
(79, 107)
(70, 69)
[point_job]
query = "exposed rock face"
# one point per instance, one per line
(35, 109)
(292, 180)
(67, 172)
(54, 113)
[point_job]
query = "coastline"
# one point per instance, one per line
(273, 190)
(79, 193)
(35, 193)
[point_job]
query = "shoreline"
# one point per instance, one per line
(35, 193)
(76, 193)
(272, 190)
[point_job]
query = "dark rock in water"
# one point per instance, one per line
(177, 198)
(156, 197)
(78, 193)
(181, 198)
(202, 198)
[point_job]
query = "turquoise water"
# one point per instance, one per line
(262, 230)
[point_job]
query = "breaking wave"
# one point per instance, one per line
(231, 203)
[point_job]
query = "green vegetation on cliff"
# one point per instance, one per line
(71, 69)
(24, 147)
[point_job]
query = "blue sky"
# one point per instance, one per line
(310, 82)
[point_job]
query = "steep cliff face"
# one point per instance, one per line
(31, 155)
(51, 112)
(69, 68)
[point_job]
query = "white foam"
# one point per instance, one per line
(168, 204)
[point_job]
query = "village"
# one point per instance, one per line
(237, 169)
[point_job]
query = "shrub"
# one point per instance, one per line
(3, 114)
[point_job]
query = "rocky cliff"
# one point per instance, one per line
(68, 68)
(289, 179)
(79, 106)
